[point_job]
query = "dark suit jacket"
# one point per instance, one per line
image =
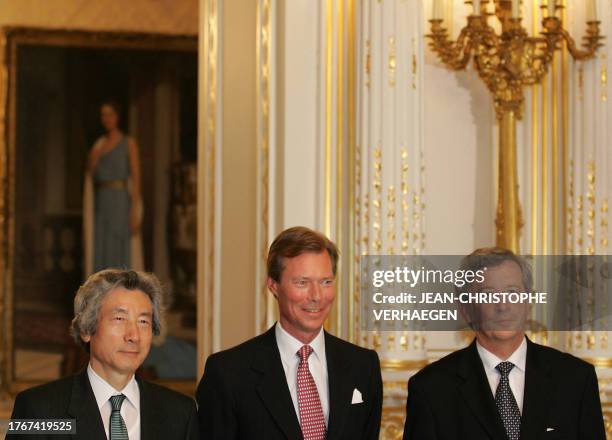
(244, 393)
(451, 399)
(164, 414)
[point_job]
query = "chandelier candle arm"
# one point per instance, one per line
(456, 55)
(591, 42)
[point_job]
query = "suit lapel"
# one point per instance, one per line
(152, 420)
(477, 394)
(340, 387)
(273, 389)
(84, 409)
(538, 390)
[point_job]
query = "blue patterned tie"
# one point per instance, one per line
(117, 429)
(506, 403)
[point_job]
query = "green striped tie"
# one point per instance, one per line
(117, 429)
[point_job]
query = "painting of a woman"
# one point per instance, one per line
(112, 198)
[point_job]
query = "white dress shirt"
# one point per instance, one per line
(516, 376)
(130, 409)
(288, 346)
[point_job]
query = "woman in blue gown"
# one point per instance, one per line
(114, 168)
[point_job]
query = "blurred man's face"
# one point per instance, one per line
(305, 294)
(502, 322)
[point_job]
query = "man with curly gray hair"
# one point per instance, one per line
(116, 314)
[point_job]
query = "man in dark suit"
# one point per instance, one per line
(295, 381)
(116, 314)
(503, 386)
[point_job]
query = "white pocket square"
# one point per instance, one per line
(550, 429)
(356, 397)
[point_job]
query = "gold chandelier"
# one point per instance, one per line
(506, 62)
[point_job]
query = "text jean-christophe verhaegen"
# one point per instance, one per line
(413, 287)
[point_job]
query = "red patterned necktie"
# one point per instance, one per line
(312, 420)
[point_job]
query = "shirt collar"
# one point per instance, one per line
(490, 361)
(104, 391)
(288, 345)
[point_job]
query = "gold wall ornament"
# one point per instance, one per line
(405, 201)
(570, 210)
(604, 224)
(352, 196)
(581, 83)
(377, 201)
(599, 362)
(507, 62)
(414, 65)
(392, 62)
(402, 364)
(329, 58)
(207, 186)
(392, 423)
(265, 303)
(5, 325)
(565, 113)
(367, 63)
(604, 78)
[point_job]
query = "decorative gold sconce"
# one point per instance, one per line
(507, 62)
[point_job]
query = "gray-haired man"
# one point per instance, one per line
(116, 314)
(503, 386)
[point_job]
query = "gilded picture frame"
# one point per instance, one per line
(10, 40)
